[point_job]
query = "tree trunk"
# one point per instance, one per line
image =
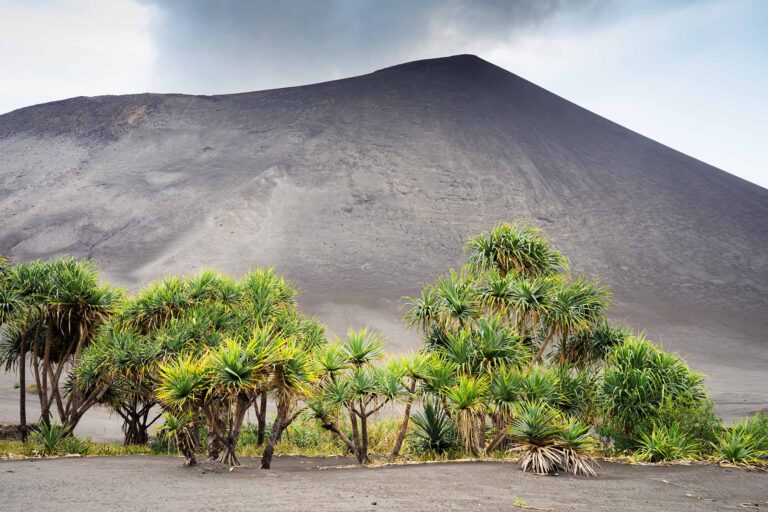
(23, 389)
(187, 448)
(282, 421)
(228, 454)
(274, 438)
(261, 419)
(45, 404)
(355, 433)
(404, 427)
(330, 426)
(135, 428)
(481, 432)
(364, 436)
(496, 442)
(543, 348)
(564, 347)
(213, 438)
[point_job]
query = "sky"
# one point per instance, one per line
(691, 74)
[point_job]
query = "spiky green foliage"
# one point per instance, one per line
(529, 299)
(666, 443)
(354, 384)
(573, 308)
(433, 430)
(540, 384)
(362, 347)
(496, 345)
(591, 346)
(515, 248)
(181, 383)
(423, 311)
(466, 402)
(745, 442)
(549, 442)
(267, 294)
(536, 429)
(576, 444)
(49, 438)
(457, 300)
(157, 303)
(179, 430)
(639, 378)
(52, 310)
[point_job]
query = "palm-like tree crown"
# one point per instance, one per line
(512, 248)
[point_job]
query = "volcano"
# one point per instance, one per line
(361, 190)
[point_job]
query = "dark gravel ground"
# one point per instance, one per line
(317, 484)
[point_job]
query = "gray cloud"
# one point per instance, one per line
(237, 45)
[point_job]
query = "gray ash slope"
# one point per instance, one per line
(362, 189)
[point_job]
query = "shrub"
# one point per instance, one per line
(536, 430)
(541, 385)
(49, 438)
(249, 434)
(590, 347)
(432, 430)
(303, 436)
(640, 381)
(742, 443)
(73, 445)
(665, 444)
(697, 419)
(549, 442)
(576, 391)
(758, 426)
(576, 444)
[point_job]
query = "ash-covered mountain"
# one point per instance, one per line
(362, 189)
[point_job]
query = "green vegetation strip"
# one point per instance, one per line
(518, 360)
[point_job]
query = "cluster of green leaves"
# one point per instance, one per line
(517, 355)
(745, 442)
(354, 386)
(639, 378)
(50, 312)
(549, 440)
(489, 329)
(513, 327)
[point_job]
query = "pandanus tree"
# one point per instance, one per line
(515, 249)
(191, 315)
(221, 386)
(466, 406)
(354, 383)
(65, 304)
(126, 362)
(332, 362)
(234, 372)
(174, 316)
(181, 386)
(491, 324)
(294, 374)
(548, 441)
(267, 296)
(413, 368)
(638, 379)
(15, 322)
(362, 390)
(573, 308)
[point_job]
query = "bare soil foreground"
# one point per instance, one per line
(299, 483)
